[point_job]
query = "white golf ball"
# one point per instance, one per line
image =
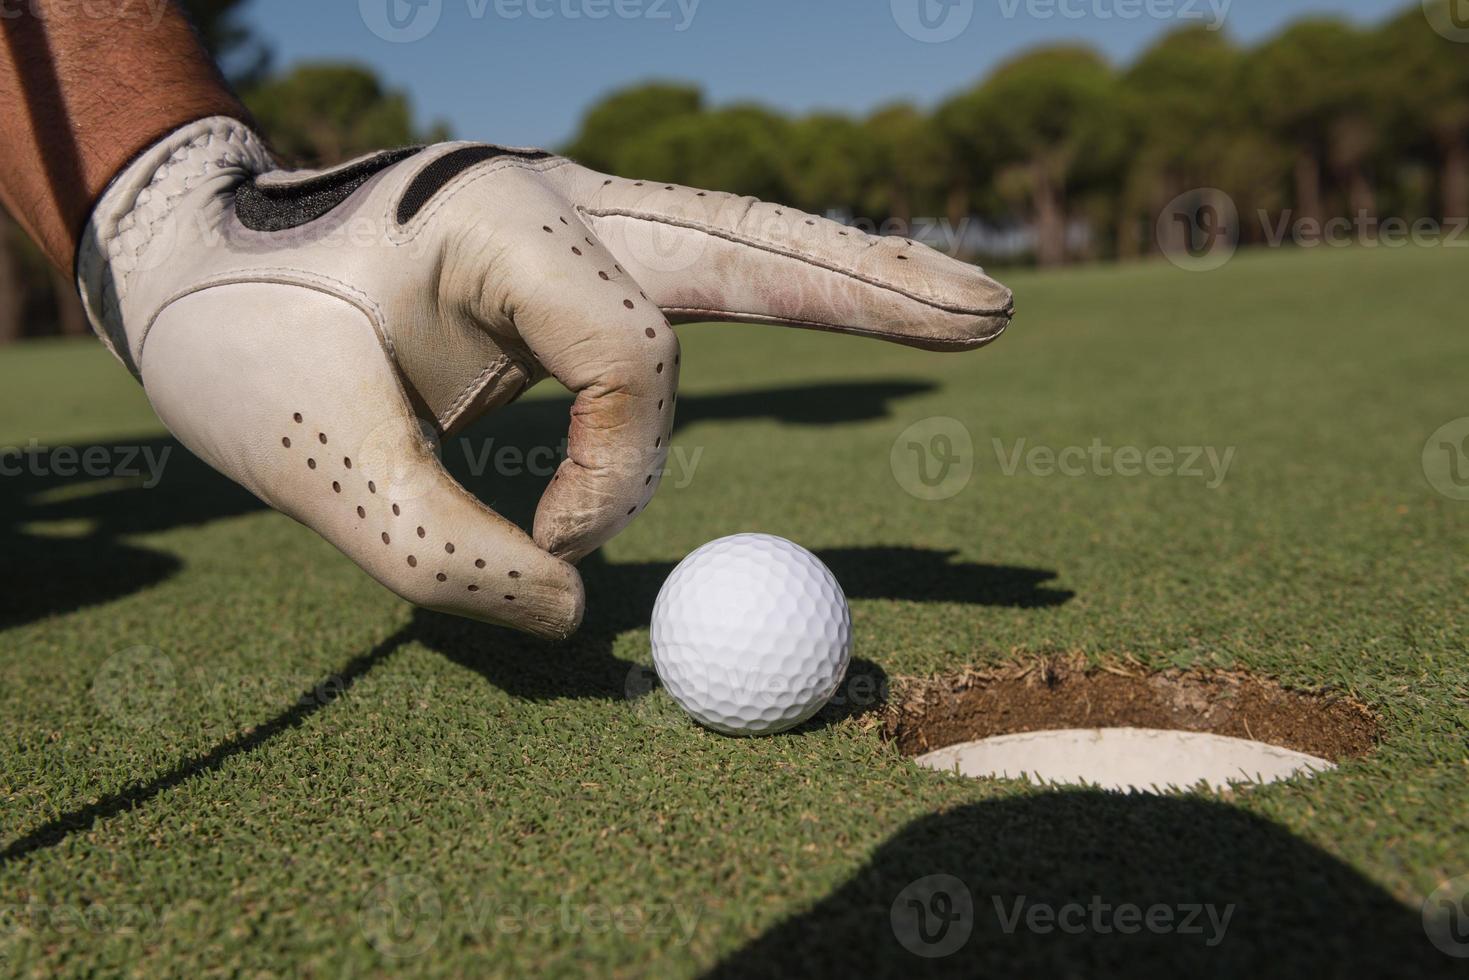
(751, 634)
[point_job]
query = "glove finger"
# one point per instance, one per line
(704, 255)
(588, 323)
(289, 392)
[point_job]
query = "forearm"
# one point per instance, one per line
(86, 87)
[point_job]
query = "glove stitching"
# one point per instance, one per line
(287, 276)
(904, 338)
(126, 228)
(472, 390)
(786, 252)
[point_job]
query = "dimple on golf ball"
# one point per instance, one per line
(751, 634)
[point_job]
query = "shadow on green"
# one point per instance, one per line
(1041, 882)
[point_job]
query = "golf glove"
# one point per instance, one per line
(310, 333)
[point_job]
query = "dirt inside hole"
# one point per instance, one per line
(1063, 692)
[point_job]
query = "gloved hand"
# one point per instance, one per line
(295, 329)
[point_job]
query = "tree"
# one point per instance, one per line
(242, 56)
(1177, 103)
(828, 163)
(740, 149)
(1427, 85)
(952, 153)
(1050, 116)
(321, 114)
(1309, 87)
(621, 119)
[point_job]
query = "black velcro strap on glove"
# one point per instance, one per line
(291, 204)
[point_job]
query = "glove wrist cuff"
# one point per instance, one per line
(133, 228)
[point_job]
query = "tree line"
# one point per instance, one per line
(1063, 155)
(1326, 119)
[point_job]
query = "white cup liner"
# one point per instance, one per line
(1144, 760)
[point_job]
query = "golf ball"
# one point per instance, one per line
(751, 634)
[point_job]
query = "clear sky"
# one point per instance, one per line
(523, 71)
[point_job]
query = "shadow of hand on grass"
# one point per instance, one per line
(1035, 870)
(62, 540)
(88, 563)
(621, 597)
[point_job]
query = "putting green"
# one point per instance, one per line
(225, 750)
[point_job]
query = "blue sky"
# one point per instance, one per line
(523, 71)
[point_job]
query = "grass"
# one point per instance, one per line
(227, 751)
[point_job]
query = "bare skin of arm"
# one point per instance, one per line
(86, 87)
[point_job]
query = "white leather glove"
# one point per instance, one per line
(292, 328)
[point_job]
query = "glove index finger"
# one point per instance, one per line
(704, 255)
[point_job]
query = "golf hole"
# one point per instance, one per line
(1120, 727)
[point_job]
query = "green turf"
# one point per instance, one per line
(291, 743)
